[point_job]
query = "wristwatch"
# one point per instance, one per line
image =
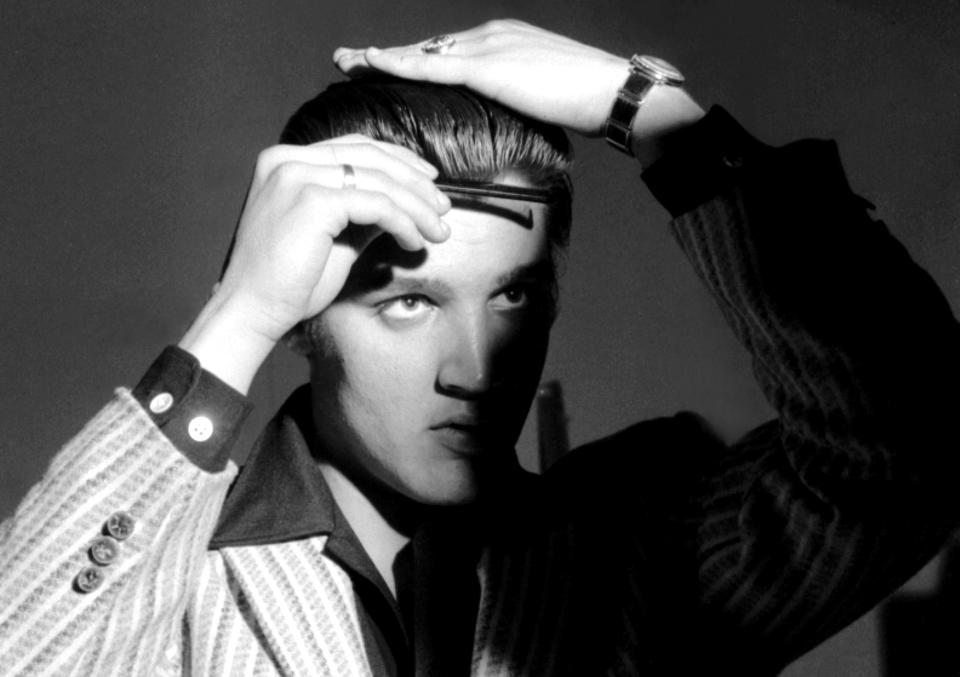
(645, 73)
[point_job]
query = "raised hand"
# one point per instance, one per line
(309, 213)
(538, 73)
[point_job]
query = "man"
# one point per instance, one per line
(381, 526)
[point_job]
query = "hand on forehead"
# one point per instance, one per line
(485, 232)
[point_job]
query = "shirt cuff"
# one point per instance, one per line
(200, 414)
(703, 161)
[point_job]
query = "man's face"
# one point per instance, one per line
(429, 360)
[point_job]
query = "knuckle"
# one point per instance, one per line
(286, 172)
(374, 179)
(502, 25)
(267, 155)
(309, 195)
(492, 39)
(381, 202)
(267, 160)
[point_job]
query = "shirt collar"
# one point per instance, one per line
(280, 495)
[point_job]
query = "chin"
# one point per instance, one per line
(446, 491)
(451, 497)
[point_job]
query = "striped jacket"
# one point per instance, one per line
(654, 551)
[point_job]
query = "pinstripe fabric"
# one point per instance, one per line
(654, 551)
(167, 605)
(120, 461)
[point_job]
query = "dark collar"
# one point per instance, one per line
(280, 494)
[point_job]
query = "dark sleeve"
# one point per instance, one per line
(200, 414)
(813, 518)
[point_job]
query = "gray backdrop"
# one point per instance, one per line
(128, 133)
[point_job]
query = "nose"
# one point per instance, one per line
(468, 362)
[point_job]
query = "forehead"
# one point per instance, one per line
(494, 235)
(488, 241)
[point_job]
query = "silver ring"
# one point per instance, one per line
(438, 44)
(349, 177)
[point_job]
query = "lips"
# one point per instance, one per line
(464, 433)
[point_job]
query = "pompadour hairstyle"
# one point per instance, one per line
(465, 136)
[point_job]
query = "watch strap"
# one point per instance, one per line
(645, 72)
(630, 96)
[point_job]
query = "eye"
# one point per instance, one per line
(405, 308)
(514, 297)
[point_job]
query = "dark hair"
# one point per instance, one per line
(466, 136)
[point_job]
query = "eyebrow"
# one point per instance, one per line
(538, 270)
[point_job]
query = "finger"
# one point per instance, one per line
(346, 208)
(328, 151)
(389, 162)
(355, 150)
(446, 69)
(400, 152)
(347, 58)
(341, 51)
(459, 38)
(351, 62)
(423, 212)
(301, 179)
(370, 208)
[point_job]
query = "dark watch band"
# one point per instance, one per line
(645, 73)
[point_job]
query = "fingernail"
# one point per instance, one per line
(372, 51)
(445, 229)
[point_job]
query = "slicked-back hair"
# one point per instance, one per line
(465, 136)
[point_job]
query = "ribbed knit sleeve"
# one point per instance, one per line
(812, 519)
(100, 557)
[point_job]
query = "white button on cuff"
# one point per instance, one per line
(161, 403)
(200, 429)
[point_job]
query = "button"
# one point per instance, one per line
(104, 550)
(120, 525)
(200, 429)
(89, 579)
(161, 403)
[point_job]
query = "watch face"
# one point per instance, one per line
(657, 69)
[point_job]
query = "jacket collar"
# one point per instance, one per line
(280, 495)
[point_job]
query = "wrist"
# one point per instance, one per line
(648, 108)
(223, 342)
(665, 111)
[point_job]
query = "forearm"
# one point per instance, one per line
(53, 611)
(851, 340)
(815, 517)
